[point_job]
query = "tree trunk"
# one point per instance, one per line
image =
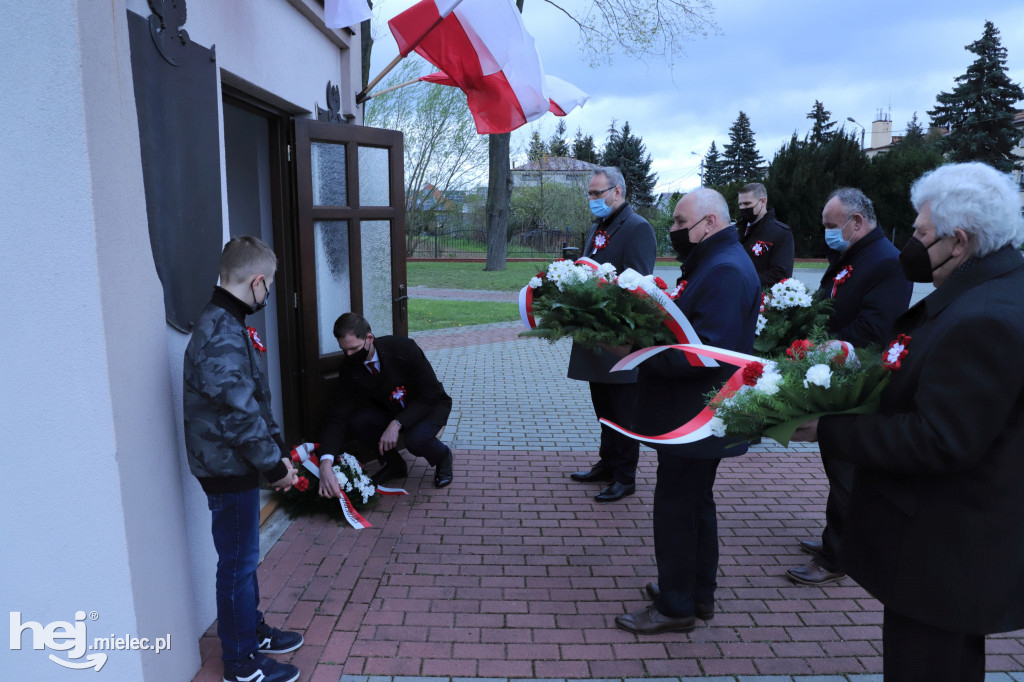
(366, 46)
(499, 198)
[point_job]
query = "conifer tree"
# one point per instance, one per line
(821, 131)
(979, 111)
(629, 154)
(741, 161)
(558, 146)
(714, 173)
(538, 151)
(583, 148)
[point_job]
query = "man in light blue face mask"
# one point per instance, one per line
(623, 238)
(868, 290)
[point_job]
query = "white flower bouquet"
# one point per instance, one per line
(789, 312)
(811, 380)
(593, 305)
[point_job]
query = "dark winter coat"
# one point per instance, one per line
(722, 299)
(769, 244)
(631, 244)
(935, 528)
(875, 294)
(402, 364)
(230, 433)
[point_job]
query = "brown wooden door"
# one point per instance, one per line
(351, 244)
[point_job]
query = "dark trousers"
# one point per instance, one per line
(368, 424)
(915, 652)
(619, 453)
(685, 534)
(236, 537)
(840, 482)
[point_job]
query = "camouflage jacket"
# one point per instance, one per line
(230, 433)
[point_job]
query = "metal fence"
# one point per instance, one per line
(470, 243)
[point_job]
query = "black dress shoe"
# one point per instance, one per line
(394, 467)
(811, 546)
(616, 491)
(650, 621)
(702, 611)
(813, 574)
(443, 472)
(598, 472)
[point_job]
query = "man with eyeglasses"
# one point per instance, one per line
(768, 242)
(619, 236)
(721, 297)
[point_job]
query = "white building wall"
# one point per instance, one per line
(101, 514)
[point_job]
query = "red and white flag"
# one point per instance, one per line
(345, 13)
(483, 48)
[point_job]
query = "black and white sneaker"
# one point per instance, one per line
(258, 668)
(274, 641)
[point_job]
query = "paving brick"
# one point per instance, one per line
(515, 572)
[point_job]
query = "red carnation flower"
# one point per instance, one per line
(660, 282)
(302, 484)
(798, 349)
(752, 371)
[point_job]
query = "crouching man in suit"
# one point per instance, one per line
(935, 524)
(386, 388)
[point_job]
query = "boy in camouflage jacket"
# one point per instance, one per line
(231, 439)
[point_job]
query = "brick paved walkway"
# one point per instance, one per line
(515, 572)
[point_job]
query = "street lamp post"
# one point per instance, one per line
(862, 131)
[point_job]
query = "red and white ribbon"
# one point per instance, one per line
(303, 454)
(697, 428)
(674, 319)
(526, 307)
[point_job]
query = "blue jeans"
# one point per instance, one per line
(236, 535)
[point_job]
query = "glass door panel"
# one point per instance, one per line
(333, 288)
(375, 237)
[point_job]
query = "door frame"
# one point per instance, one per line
(317, 370)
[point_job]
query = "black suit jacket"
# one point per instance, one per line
(876, 293)
(631, 244)
(935, 528)
(773, 257)
(402, 364)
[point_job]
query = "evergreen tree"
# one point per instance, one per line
(979, 111)
(629, 154)
(583, 148)
(558, 146)
(741, 161)
(538, 151)
(822, 131)
(915, 130)
(714, 173)
(800, 178)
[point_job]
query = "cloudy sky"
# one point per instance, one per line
(770, 59)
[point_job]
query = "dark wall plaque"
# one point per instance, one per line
(177, 98)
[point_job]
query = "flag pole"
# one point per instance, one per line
(393, 87)
(363, 95)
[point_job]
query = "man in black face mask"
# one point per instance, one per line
(768, 242)
(936, 516)
(721, 297)
(386, 388)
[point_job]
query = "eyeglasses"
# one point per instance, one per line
(596, 194)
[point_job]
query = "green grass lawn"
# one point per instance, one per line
(472, 276)
(427, 314)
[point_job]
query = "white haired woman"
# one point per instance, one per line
(936, 515)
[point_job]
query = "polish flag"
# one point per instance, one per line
(483, 48)
(345, 13)
(563, 97)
